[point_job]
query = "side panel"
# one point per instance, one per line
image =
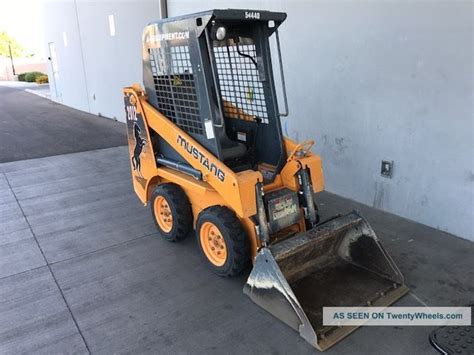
(237, 190)
(142, 160)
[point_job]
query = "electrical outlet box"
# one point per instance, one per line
(387, 168)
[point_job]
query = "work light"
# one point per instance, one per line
(220, 33)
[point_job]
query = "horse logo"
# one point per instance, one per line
(137, 151)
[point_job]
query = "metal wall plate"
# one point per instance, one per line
(386, 168)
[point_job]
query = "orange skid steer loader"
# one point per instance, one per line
(207, 153)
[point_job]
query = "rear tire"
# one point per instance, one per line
(222, 241)
(171, 212)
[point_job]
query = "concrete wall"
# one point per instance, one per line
(367, 80)
(94, 66)
(375, 80)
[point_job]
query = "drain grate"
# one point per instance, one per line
(453, 340)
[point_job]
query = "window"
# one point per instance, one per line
(111, 25)
(175, 87)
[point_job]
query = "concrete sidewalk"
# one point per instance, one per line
(42, 90)
(33, 127)
(83, 271)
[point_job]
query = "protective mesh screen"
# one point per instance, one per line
(241, 90)
(175, 87)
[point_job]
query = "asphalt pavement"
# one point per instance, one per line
(34, 127)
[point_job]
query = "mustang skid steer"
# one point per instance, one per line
(207, 153)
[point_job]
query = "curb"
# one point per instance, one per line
(45, 95)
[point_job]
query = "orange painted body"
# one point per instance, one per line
(236, 191)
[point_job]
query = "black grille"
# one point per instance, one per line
(240, 86)
(175, 87)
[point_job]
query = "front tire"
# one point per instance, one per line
(171, 212)
(222, 241)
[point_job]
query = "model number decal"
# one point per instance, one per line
(203, 160)
(252, 15)
(131, 112)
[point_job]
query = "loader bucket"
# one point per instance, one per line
(340, 263)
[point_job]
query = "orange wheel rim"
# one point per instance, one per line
(213, 243)
(163, 214)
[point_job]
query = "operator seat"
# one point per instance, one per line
(230, 149)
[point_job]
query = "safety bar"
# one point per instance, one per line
(214, 77)
(282, 74)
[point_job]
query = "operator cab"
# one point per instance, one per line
(211, 74)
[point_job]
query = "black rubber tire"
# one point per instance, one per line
(180, 210)
(237, 243)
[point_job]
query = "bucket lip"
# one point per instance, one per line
(341, 332)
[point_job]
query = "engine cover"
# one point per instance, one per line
(282, 207)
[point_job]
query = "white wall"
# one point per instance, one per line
(94, 67)
(367, 80)
(112, 63)
(70, 86)
(380, 80)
